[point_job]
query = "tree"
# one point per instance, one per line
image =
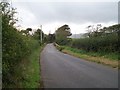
(97, 32)
(51, 38)
(89, 30)
(8, 14)
(62, 33)
(37, 34)
(94, 31)
(26, 32)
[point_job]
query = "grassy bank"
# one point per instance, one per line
(31, 71)
(110, 59)
(28, 71)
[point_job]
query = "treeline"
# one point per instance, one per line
(100, 40)
(96, 40)
(16, 47)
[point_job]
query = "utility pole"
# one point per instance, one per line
(41, 33)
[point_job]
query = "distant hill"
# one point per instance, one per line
(81, 35)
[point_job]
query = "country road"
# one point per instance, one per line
(60, 70)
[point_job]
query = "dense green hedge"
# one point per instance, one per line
(15, 47)
(108, 43)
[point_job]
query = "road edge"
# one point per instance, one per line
(65, 51)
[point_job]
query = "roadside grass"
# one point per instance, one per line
(31, 70)
(110, 59)
(111, 56)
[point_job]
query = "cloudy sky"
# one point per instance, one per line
(55, 13)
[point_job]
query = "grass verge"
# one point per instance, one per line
(31, 70)
(107, 59)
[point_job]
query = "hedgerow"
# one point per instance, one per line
(15, 48)
(108, 43)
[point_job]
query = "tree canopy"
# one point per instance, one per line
(98, 31)
(62, 34)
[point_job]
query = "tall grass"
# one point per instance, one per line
(31, 71)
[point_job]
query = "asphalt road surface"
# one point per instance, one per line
(60, 70)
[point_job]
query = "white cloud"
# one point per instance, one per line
(25, 17)
(75, 28)
(53, 15)
(65, 0)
